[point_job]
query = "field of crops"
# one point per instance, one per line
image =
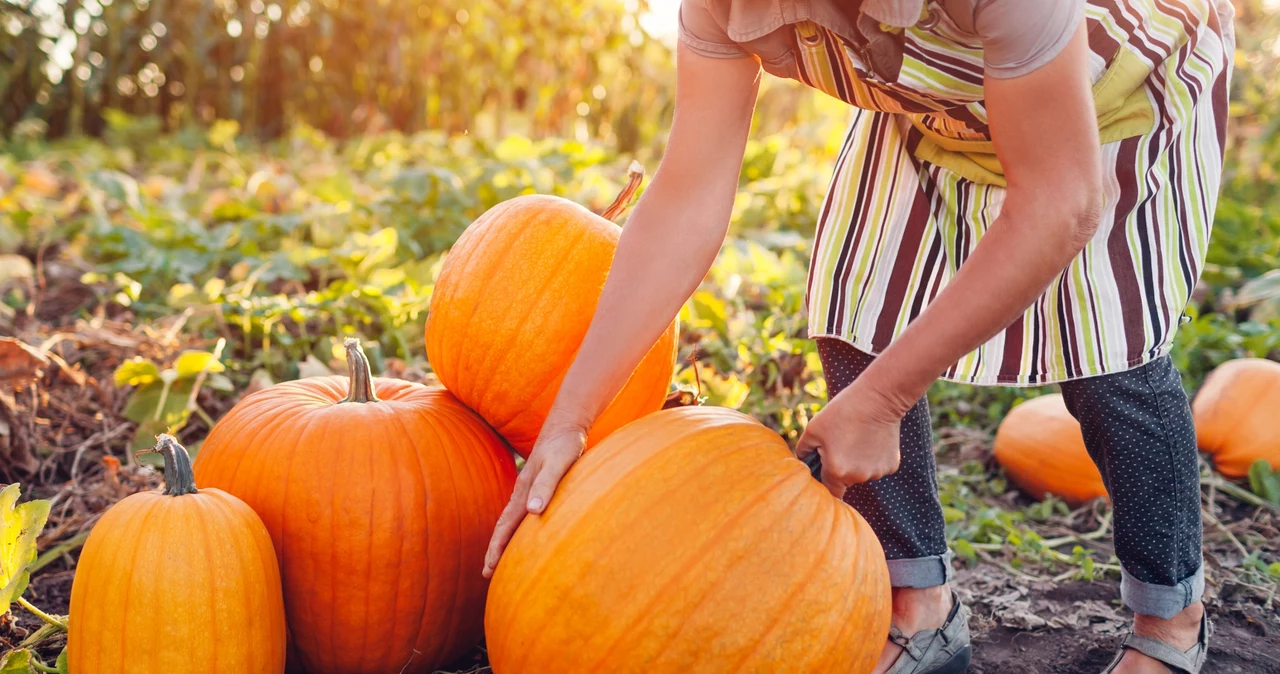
(163, 278)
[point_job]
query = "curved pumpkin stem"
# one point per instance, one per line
(635, 175)
(179, 479)
(361, 390)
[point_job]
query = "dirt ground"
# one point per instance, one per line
(65, 439)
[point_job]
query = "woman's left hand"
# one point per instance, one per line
(856, 435)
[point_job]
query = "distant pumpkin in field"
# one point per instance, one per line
(1041, 448)
(1237, 415)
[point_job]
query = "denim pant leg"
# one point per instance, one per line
(1138, 428)
(903, 508)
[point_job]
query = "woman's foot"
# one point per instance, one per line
(1182, 631)
(916, 609)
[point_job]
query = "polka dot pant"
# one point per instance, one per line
(902, 508)
(1138, 428)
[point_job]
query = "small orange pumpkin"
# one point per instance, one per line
(1042, 450)
(380, 496)
(513, 301)
(691, 540)
(179, 582)
(1237, 415)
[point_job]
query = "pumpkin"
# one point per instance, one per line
(690, 540)
(380, 496)
(179, 582)
(1042, 450)
(513, 301)
(1237, 414)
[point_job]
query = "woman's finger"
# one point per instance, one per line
(807, 445)
(509, 520)
(548, 478)
(835, 485)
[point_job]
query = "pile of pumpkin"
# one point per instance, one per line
(339, 525)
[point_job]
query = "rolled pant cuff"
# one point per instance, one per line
(923, 571)
(1161, 601)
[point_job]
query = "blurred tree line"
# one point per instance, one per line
(503, 66)
(565, 68)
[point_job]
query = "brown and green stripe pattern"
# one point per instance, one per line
(893, 230)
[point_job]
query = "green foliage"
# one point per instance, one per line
(24, 661)
(20, 525)
(162, 401)
(1264, 481)
(17, 661)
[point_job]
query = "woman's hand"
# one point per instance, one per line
(857, 436)
(552, 455)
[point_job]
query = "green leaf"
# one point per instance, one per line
(952, 514)
(61, 664)
(1264, 481)
(136, 371)
(19, 527)
(964, 550)
(157, 408)
(16, 662)
(192, 363)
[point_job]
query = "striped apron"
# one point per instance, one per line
(916, 185)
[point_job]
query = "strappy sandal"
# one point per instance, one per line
(1178, 662)
(946, 650)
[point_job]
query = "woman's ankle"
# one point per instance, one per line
(1182, 630)
(925, 608)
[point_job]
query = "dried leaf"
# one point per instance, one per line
(20, 363)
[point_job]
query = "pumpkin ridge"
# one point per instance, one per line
(238, 422)
(473, 261)
(415, 633)
(552, 376)
(798, 588)
(202, 521)
(713, 539)
(548, 554)
(456, 600)
(134, 565)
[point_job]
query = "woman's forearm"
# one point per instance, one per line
(1013, 264)
(666, 248)
(671, 238)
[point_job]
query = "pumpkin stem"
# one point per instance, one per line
(178, 476)
(635, 175)
(361, 390)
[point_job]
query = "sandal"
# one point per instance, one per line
(946, 650)
(1178, 662)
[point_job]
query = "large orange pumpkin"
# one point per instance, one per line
(691, 540)
(179, 582)
(380, 496)
(1042, 450)
(1237, 415)
(513, 301)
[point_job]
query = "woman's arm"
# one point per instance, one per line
(668, 245)
(1045, 132)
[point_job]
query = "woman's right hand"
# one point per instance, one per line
(552, 455)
